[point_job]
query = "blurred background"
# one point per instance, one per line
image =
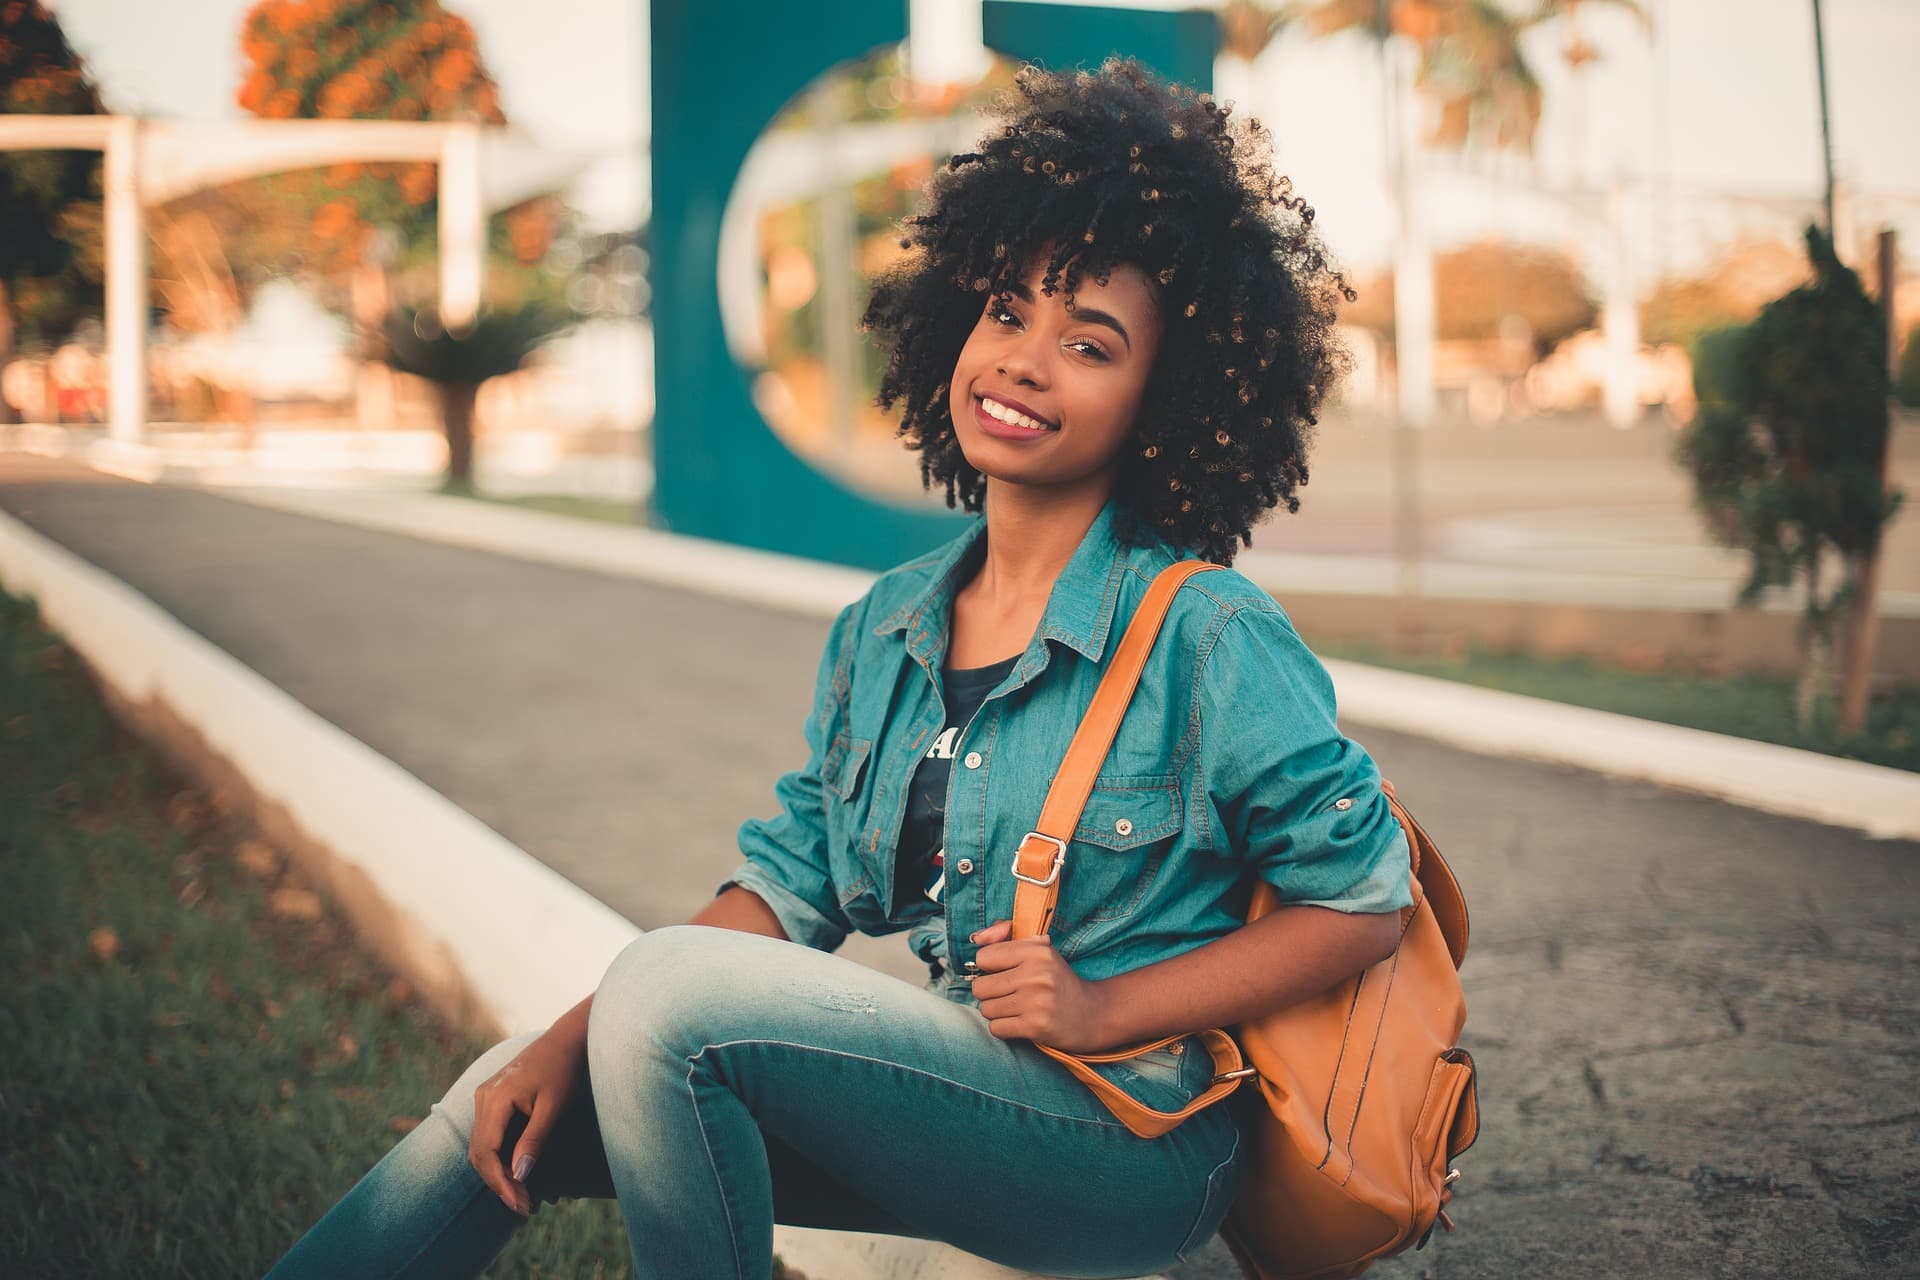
(355, 353)
(1549, 210)
(390, 244)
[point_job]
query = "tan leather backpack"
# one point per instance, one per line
(1367, 1096)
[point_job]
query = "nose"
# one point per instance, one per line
(1023, 362)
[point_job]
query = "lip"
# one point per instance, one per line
(1006, 431)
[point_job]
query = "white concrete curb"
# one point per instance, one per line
(527, 942)
(1880, 801)
(1883, 802)
(792, 584)
(464, 891)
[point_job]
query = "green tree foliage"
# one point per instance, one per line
(1786, 448)
(49, 200)
(457, 362)
(496, 343)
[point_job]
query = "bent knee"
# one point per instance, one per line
(671, 988)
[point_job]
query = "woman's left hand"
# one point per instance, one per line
(1028, 992)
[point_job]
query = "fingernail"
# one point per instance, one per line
(522, 1167)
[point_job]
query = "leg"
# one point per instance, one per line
(706, 1045)
(423, 1212)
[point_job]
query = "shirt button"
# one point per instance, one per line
(970, 966)
(1123, 827)
(964, 866)
(1343, 804)
(973, 760)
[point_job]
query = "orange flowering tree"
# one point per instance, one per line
(371, 60)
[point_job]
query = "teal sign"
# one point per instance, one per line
(720, 75)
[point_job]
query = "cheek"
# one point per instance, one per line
(1118, 407)
(964, 367)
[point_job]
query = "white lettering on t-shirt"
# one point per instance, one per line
(942, 748)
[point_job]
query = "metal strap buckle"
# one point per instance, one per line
(1059, 856)
(1240, 1074)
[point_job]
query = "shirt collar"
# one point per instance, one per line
(1079, 612)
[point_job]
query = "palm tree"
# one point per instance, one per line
(496, 343)
(1579, 52)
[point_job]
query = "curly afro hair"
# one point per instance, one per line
(1117, 167)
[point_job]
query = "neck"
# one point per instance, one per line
(1031, 535)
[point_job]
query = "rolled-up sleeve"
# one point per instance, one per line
(1285, 789)
(787, 863)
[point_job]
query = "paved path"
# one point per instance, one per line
(1695, 1024)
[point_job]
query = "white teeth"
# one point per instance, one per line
(1004, 414)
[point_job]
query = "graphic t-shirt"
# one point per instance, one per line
(920, 866)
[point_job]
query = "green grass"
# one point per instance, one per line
(1745, 706)
(189, 1100)
(608, 510)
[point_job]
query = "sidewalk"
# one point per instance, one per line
(1693, 1021)
(1550, 540)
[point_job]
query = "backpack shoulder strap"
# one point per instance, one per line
(1036, 864)
(1437, 884)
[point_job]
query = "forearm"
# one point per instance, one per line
(733, 908)
(1284, 957)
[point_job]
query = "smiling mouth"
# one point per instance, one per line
(1013, 417)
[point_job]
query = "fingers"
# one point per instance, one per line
(527, 1150)
(988, 985)
(492, 1110)
(998, 1010)
(998, 931)
(997, 956)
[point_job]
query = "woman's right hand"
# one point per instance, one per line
(536, 1084)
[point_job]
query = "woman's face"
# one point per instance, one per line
(1046, 395)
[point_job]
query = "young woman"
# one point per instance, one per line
(1109, 338)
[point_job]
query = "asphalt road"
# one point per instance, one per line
(1695, 1024)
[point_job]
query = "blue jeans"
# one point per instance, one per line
(737, 1081)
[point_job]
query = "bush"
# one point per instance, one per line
(1786, 449)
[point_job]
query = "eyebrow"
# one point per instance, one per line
(1089, 314)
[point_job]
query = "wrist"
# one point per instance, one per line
(1109, 1014)
(570, 1028)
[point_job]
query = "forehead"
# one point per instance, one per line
(1127, 292)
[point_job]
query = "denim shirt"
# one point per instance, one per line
(1228, 766)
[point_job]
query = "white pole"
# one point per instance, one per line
(1619, 318)
(1413, 300)
(463, 227)
(945, 42)
(126, 284)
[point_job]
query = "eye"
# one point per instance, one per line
(1092, 350)
(1001, 315)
